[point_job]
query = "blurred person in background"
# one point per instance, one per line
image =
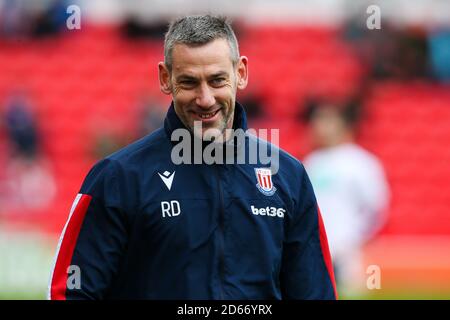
(106, 141)
(51, 19)
(134, 28)
(351, 189)
(253, 106)
(107, 137)
(21, 126)
(150, 115)
(28, 181)
(439, 43)
(13, 19)
(397, 53)
(21, 19)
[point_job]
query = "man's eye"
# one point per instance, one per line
(218, 81)
(187, 83)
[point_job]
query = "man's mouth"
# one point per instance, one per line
(206, 115)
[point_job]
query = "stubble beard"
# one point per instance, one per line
(216, 133)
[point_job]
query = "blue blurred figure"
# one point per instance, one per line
(21, 127)
(28, 182)
(439, 43)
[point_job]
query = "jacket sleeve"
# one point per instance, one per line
(93, 240)
(306, 271)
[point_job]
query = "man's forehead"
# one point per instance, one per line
(214, 56)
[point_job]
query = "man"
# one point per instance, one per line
(351, 189)
(144, 227)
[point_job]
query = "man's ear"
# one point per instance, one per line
(242, 72)
(164, 78)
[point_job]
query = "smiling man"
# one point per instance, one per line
(203, 75)
(143, 227)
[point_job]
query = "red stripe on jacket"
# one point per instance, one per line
(67, 247)
(326, 252)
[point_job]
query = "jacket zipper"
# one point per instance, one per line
(221, 235)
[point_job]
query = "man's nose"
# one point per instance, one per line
(205, 97)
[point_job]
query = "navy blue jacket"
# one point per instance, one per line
(219, 232)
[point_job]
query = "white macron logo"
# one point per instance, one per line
(167, 178)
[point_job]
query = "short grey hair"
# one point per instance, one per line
(199, 30)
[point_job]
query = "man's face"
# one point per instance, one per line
(203, 84)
